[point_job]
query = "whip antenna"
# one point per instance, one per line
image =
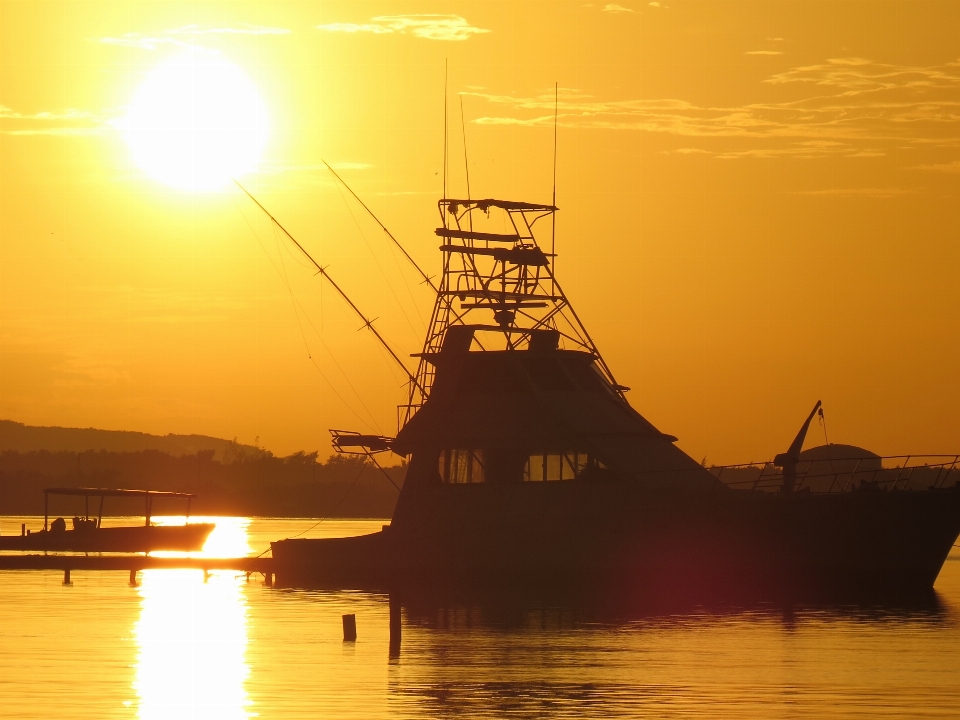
(466, 165)
(444, 127)
(553, 201)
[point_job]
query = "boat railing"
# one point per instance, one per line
(825, 475)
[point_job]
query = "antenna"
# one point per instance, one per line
(553, 217)
(556, 92)
(466, 165)
(426, 278)
(445, 127)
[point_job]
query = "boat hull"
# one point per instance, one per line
(182, 538)
(620, 538)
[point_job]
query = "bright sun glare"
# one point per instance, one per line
(195, 122)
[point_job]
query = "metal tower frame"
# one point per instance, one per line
(507, 274)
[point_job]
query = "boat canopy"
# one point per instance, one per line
(115, 492)
(87, 493)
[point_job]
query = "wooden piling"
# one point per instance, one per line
(349, 628)
(395, 624)
(133, 578)
(66, 577)
(268, 579)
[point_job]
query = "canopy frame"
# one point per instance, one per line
(87, 493)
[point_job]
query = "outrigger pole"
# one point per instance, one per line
(322, 271)
(426, 278)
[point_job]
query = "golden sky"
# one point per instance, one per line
(759, 209)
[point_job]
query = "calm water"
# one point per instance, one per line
(179, 647)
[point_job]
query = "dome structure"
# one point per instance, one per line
(825, 465)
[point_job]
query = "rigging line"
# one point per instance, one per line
(379, 266)
(406, 285)
(293, 301)
(322, 341)
(339, 367)
(346, 404)
(426, 278)
(327, 517)
(383, 470)
(323, 272)
(394, 257)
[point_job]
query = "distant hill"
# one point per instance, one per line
(27, 438)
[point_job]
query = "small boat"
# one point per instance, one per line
(88, 535)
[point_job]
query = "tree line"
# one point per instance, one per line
(249, 482)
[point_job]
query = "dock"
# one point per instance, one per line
(135, 563)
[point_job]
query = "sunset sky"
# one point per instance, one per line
(759, 207)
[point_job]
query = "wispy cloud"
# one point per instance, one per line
(858, 109)
(852, 192)
(69, 114)
(763, 52)
(617, 9)
(174, 37)
(65, 122)
(430, 27)
(858, 75)
(949, 167)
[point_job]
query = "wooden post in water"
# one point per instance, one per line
(349, 628)
(268, 579)
(66, 577)
(395, 624)
(133, 578)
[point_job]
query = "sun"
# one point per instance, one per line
(195, 122)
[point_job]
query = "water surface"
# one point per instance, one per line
(180, 647)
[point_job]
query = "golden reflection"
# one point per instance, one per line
(192, 635)
(228, 539)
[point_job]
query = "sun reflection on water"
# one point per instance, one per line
(192, 635)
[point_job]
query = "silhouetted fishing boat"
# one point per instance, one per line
(527, 463)
(86, 533)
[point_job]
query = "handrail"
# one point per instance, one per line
(893, 475)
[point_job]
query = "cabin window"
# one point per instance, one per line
(462, 466)
(555, 466)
